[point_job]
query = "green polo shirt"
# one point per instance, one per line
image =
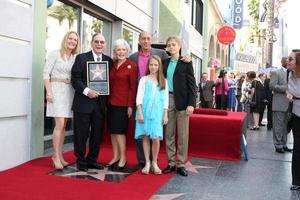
(170, 73)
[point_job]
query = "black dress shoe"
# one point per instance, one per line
(295, 187)
(139, 166)
(287, 149)
(169, 169)
(262, 125)
(279, 150)
(182, 171)
(95, 165)
(81, 166)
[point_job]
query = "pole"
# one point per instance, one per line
(269, 31)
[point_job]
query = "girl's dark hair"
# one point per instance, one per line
(160, 75)
(222, 73)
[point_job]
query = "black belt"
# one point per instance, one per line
(170, 92)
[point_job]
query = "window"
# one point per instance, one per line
(132, 37)
(197, 65)
(63, 16)
(197, 15)
(92, 25)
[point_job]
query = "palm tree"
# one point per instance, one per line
(62, 12)
(97, 25)
(253, 8)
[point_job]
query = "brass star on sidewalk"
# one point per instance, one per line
(193, 168)
(166, 196)
(95, 174)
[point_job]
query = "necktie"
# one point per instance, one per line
(98, 59)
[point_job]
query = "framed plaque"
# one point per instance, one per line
(98, 76)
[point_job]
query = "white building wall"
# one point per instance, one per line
(136, 12)
(192, 39)
(16, 29)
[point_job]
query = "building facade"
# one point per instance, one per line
(36, 28)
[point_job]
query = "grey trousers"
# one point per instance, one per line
(182, 120)
(279, 129)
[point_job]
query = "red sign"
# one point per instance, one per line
(226, 35)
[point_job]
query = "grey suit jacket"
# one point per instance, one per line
(206, 93)
(158, 52)
(278, 85)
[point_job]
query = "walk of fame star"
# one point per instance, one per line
(166, 196)
(97, 73)
(193, 168)
(93, 174)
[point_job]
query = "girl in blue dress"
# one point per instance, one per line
(152, 111)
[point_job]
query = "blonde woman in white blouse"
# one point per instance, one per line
(59, 91)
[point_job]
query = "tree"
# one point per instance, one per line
(62, 12)
(97, 26)
(253, 8)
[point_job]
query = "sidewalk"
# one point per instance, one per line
(266, 176)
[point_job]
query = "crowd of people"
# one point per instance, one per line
(159, 91)
(252, 93)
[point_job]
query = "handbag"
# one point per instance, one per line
(252, 104)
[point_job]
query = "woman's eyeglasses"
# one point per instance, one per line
(290, 59)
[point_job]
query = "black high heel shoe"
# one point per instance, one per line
(112, 164)
(120, 168)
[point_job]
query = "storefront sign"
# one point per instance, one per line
(226, 35)
(238, 14)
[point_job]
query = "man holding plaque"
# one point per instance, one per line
(89, 103)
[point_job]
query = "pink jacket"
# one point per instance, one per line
(218, 90)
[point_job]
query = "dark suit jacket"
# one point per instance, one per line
(184, 84)
(82, 103)
(207, 93)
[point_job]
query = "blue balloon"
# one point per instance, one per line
(49, 3)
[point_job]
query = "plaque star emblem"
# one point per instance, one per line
(166, 196)
(193, 168)
(97, 73)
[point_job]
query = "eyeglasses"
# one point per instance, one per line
(290, 59)
(99, 41)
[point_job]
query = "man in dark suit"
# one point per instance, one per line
(88, 107)
(206, 91)
(269, 96)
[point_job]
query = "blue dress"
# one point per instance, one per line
(153, 112)
(231, 96)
